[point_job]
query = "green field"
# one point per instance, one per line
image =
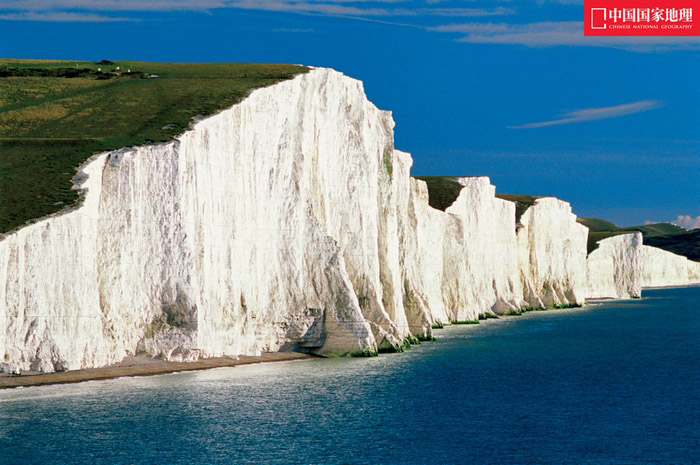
(656, 230)
(55, 114)
(665, 236)
(686, 243)
(597, 225)
(442, 191)
(522, 203)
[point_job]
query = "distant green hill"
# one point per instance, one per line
(55, 114)
(686, 243)
(598, 230)
(442, 191)
(597, 225)
(522, 203)
(657, 229)
(665, 236)
(594, 238)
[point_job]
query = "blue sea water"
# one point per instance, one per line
(617, 383)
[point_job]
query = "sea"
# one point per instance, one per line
(615, 382)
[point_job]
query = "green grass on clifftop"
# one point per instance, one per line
(597, 225)
(686, 243)
(55, 114)
(442, 191)
(594, 238)
(657, 229)
(665, 236)
(522, 203)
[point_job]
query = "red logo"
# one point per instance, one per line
(641, 18)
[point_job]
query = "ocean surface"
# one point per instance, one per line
(615, 383)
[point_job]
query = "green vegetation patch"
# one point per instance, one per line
(567, 305)
(686, 243)
(55, 114)
(405, 344)
(665, 236)
(442, 191)
(488, 316)
(522, 203)
(656, 230)
(363, 353)
(594, 238)
(597, 225)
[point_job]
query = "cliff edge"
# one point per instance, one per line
(286, 222)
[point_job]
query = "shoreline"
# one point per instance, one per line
(142, 366)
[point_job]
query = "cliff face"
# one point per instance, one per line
(270, 224)
(615, 268)
(621, 266)
(286, 222)
(552, 254)
(484, 269)
(661, 268)
(472, 259)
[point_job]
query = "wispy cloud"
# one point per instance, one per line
(548, 34)
(688, 222)
(329, 8)
(62, 17)
(592, 114)
(161, 5)
(110, 5)
(347, 8)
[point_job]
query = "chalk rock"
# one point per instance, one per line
(662, 268)
(552, 255)
(286, 222)
(615, 268)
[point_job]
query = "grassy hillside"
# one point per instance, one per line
(655, 230)
(594, 237)
(442, 191)
(598, 230)
(522, 203)
(55, 114)
(665, 236)
(686, 243)
(597, 225)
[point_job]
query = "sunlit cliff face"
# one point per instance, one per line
(287, 222)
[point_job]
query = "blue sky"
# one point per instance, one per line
(508, 89)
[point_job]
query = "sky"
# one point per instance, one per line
(509, 89)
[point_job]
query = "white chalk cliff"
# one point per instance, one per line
(552, 254)
(287, 222)
(662, 268)
(614, 268)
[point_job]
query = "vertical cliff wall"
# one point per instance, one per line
(615, 268)
(270, 224)
(621, 266)
(552, 255)
(460, 263)
(483, 256)
(473, 258)
(660, 268)
(287, 222)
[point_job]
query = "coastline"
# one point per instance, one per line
(142, 366)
